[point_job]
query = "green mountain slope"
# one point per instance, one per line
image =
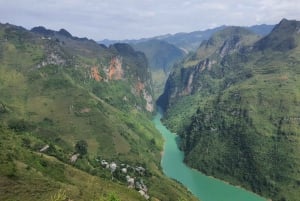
(238, 116)
(29, 175)
(68, 103)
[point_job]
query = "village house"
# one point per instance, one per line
(45, 148)
(74, 158)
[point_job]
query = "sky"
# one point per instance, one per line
(134, 19)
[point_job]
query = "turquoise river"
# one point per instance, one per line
(203, 187)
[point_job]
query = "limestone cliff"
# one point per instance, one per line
(115, 70)
(188, 76)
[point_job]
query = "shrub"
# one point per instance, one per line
(81, 147)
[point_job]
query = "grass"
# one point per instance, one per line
(39, 177)
(26, 174)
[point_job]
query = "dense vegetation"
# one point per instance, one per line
(235, 103)
(68, 103)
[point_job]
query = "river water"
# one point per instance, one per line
(203, 187)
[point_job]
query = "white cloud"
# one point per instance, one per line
(119, 19)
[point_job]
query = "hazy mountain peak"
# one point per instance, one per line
(64, 33)
(42, 30)
(290, 26)
(282, 37)
(123, 49)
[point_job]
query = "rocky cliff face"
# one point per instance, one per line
(133, 65)
(117, 64)
(235, 105)
(188, 77)
(115, 70)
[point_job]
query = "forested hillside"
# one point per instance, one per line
(235, 104)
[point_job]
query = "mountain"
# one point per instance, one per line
(191, 41)
(187, 76)
(279, 40)
(185, 41)
(262, 29)
(76, 120)
(235, 104)
(62, 33)
(160, 54)
(161, 57)
(164, 51)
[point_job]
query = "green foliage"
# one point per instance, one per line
(19, 125)
(81, 147)
(59, 196)
(112, 197)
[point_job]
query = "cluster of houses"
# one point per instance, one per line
(132, 182)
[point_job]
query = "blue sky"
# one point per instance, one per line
(130, 19)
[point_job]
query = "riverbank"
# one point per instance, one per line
(203, 187)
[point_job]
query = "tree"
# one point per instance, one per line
(81, 147)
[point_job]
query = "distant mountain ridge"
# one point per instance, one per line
(191, 41)
(160, 54)
(48, 33)
(164, 51)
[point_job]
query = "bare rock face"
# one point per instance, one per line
(52, 59)
(95, 74)
(115, 71)
(231, 45)
(149, 101)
